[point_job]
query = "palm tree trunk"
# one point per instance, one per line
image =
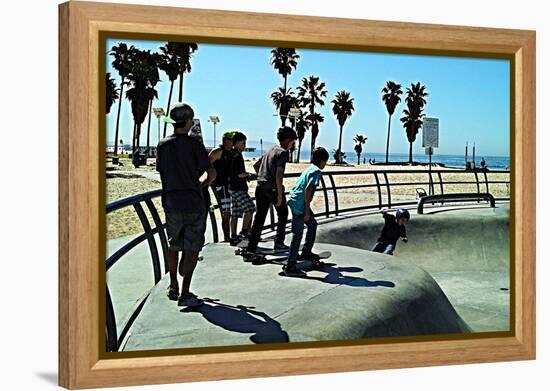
(180, 96)
(339, 151)
(312, 148)
(149, 125)
(299, 149)
(118, 114)
(134, 140)
(168, 107)
(388, 140)
(410, 152)
(358, 158)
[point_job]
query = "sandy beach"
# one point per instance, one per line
(124, 181)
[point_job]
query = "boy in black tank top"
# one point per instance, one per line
(221, 158)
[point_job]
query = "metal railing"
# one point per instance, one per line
(383, 194)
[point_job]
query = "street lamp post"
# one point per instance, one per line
(215, 120)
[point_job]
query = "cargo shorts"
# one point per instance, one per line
(185, 231)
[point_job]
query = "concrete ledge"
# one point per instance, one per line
(363, 295)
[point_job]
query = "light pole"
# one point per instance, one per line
(215, 120)
(159, 112)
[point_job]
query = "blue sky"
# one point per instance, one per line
(471, 97)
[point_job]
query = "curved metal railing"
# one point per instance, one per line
(383, 194)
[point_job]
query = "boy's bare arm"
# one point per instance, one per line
(257, 164)
(215, 155)
(210, 176)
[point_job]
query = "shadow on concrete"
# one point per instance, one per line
(241, 319)
(48, 377)
(334, 276)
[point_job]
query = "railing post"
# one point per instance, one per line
(388, 188)
(111, 339)
(477, 184)
(335, 193)
(150, 240)
(162, 234)
(272, 217)
(379, 191)
(214, 224)
(440, 182)
(486, 182)
(325, 194)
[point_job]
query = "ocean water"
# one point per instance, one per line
(494, 162)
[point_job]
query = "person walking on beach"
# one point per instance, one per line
(241, 202)
(394, 229)
(181, 162)
(299, 201)
(270, 191)
(221, 158)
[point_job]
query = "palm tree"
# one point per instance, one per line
(412, 115)
(342, 108)
(283, 101)
(310, 94)
(111, 93)
(170, 64)
(184, 52)
(314, 119)
(302, 125)
(391, 97)
(358, 148)
(154, 60)
(122, 57)
(142, 75)
(284, 60)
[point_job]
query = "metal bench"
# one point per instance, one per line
(454, 197)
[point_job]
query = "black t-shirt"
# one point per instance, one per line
(237, 167)
(391, 231)
(181, 161)
(275, 157)
(223, 167)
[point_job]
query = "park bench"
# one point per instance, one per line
(454, 197)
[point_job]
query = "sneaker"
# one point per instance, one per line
(189, 300)
(249, 256)
(280, 247)
(172, 293)
(293, 271)
(308, 256)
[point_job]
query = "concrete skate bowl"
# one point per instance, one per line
(466, 251)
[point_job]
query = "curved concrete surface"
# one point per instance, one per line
(465, 250)
(362, 295)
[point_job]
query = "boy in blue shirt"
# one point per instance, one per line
(299, 201)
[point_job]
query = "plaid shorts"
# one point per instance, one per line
(241, 203)
(223, 197)
(185, 231)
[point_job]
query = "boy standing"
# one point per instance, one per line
(221, 158)
(181, 161)
(394, 228)
(299, 201)
(270, 191)
(241, 202)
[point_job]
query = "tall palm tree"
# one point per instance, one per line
(358, 148)
(111, 93)
(184, 51)
(170, 64)
(302, 125)
(311, 93)
(142, 75)
(342, 108)
(283, 100)
(154, 60)
(314, 119)
(122, 57)
(413, 114)
(391, 97)
(284, 60)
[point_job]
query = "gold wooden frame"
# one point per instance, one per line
(81, 202)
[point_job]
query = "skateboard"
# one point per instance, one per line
(307, 266)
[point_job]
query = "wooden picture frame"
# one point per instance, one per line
(81, 204)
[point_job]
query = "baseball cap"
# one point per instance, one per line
(179, 113)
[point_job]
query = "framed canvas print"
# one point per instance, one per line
(244, 193)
